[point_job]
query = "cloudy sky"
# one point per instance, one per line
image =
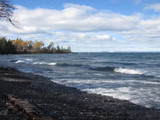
(88, 25)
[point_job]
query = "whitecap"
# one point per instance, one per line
(52, 63)
(40, 63)
(20, 61)
(44, 63)
(29, 59)
(128, 71)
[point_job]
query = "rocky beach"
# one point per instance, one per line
(59, 102)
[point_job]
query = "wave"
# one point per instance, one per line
(107, 68)
(128, 71)
(140, 96)
(39, 63)
(20, 61)
(52, 63)
(96, 82)
(44, 63)
(72, 65)
(13, 61)
(119, 63)
(118, 70)
(29, 59)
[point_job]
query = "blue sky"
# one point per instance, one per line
(87, 25)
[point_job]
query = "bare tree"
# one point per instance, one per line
(6, 10)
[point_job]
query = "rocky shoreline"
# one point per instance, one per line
(63, 103)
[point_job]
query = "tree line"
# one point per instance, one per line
(20, 46)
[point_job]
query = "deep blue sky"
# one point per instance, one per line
(89, 25)
(120, 6)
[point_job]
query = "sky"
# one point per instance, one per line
(88, 25)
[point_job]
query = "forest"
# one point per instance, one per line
(20, 46)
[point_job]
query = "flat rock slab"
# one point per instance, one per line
(32, 111)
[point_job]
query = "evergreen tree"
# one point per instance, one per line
(58, 50)
(6, 47)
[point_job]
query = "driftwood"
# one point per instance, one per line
(32, 111)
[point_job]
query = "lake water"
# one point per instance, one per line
(129, 76)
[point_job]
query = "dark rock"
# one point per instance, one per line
(4, 113)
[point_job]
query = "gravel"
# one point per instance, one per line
(64, 103)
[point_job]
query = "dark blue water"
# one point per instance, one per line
(129, 76)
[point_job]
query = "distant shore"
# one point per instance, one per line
(64, 103)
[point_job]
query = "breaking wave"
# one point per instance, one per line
(128, 71)
(20, 61)
(118, 70)
(107, 68)
(44, 63)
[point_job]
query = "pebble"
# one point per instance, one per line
(66, 103)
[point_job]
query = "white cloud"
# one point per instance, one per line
(82, 37)
(72, 18)
(79, 25)
(155, 7)
(103, 37)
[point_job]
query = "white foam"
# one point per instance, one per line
(95, 82)
(40, 63)
(20, 61)
(52, 63)
(24, 61)
(29, 59)
(83, 82)
(138, 96)
(127, 71)
(44, 63)
(120, 93)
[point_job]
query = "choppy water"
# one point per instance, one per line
(129, 76)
